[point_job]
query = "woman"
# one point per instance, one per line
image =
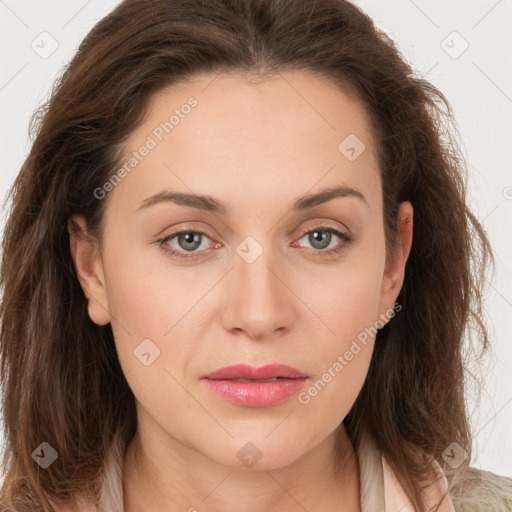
(237, 273)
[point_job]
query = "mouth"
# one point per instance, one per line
(255, 387)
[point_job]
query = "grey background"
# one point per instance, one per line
(432, 36)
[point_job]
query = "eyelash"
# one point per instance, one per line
(346, 240)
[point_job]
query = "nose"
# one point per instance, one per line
(261, 303)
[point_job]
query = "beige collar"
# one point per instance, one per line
(381, 490)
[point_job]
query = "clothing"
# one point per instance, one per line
(474, 491)
(380, 489)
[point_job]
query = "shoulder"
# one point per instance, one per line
(479, 490)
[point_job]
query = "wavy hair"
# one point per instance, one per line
(62, 380)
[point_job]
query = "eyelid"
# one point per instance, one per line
(185, 228)
(323, 224)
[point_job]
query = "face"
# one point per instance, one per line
(266, 277)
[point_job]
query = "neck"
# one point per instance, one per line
(175, 477)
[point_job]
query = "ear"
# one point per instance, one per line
(394, 272)
(89, 268)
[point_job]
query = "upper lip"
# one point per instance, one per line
(245, 371)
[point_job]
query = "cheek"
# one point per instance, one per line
(148, 323)
(145, 295)
(349, 310)
(343, 352)
(346, 299)
(147, 306)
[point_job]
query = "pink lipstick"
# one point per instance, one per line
(255, 387)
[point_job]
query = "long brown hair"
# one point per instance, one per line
(62, 381)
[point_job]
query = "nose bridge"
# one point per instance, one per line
(256, 268)
(260, 296)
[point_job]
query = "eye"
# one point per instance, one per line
(191, 240)
(322, 236)
(187, 240)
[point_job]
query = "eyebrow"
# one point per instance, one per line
(209, 203)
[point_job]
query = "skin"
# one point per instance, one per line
(256, 147)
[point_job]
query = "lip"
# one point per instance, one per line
(245, 371)
(288, 381)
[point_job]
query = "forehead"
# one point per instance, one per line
(235, 108)
(228, 137)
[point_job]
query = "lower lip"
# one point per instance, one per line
(256, 394)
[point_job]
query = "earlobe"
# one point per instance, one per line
(89, 270)
(395, 268)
